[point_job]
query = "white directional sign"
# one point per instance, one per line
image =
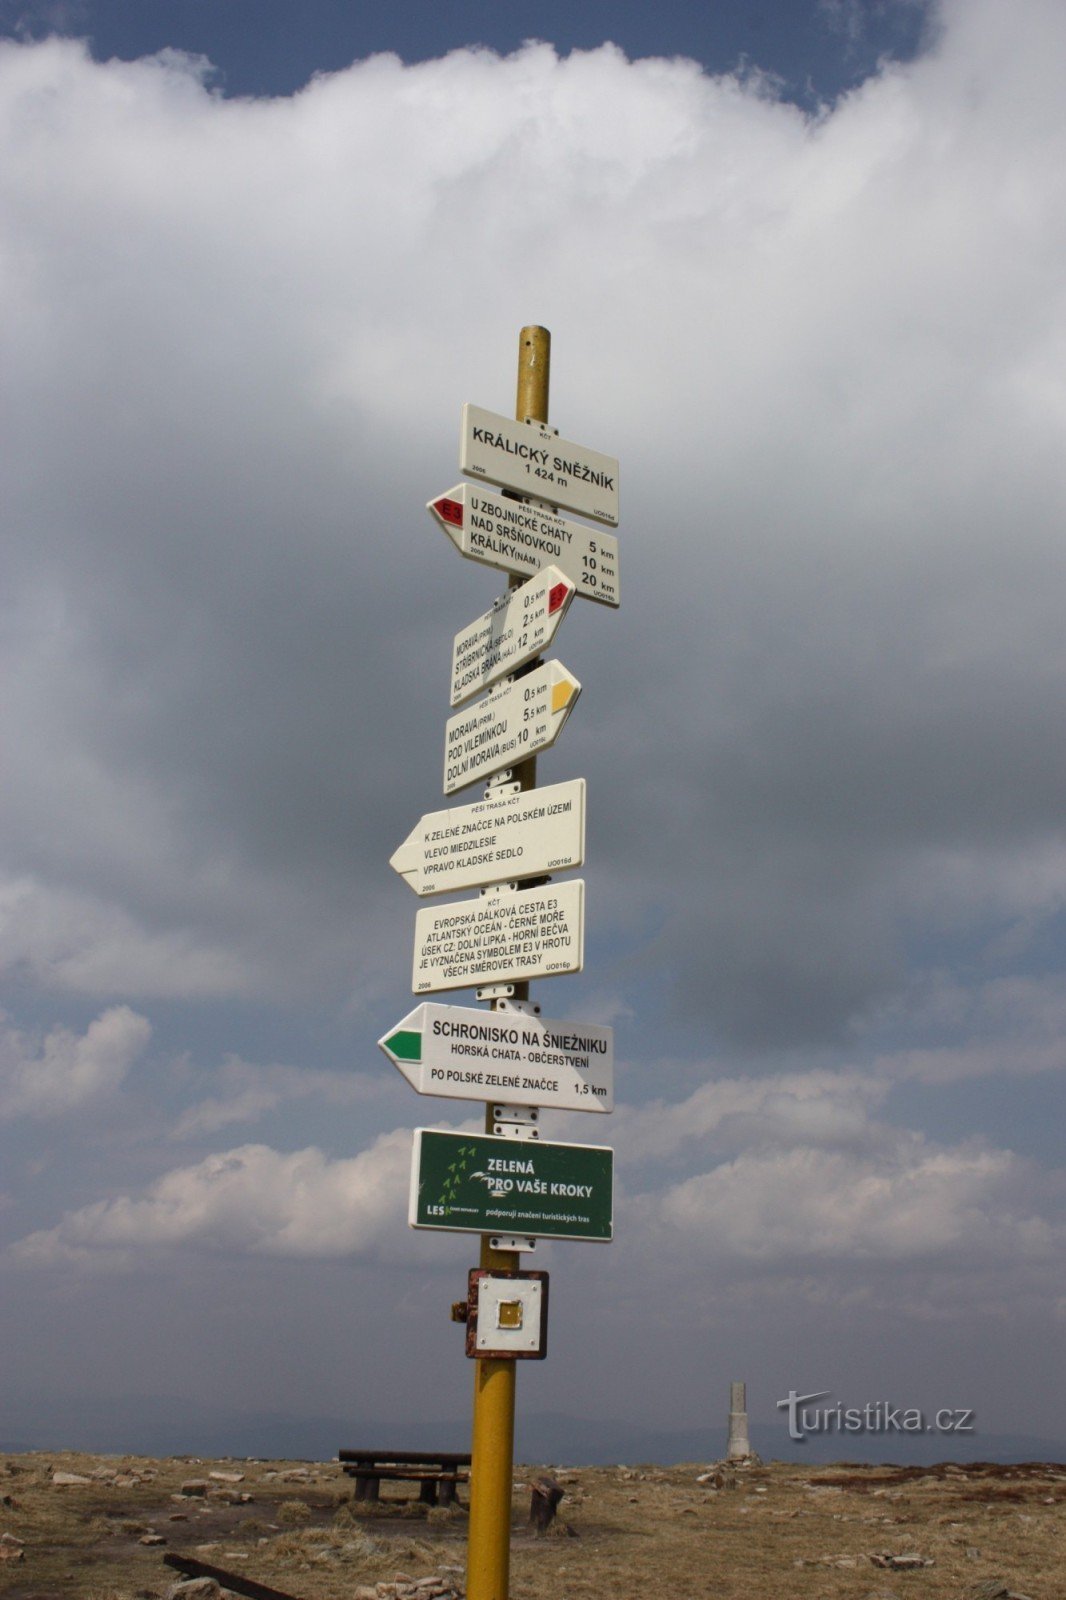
(504, 1055)
(515, 537)
(510, 836)
(520, 625)
(508, 726)
(531, 458)
(522, 933)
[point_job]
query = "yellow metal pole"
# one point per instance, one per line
(531, 401)
(488, 1554)
(534, 374)
(488, 1560)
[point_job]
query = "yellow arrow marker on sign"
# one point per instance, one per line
(508, 726)
(563, 692)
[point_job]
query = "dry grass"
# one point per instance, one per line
(294, 1512)
(775, 1533)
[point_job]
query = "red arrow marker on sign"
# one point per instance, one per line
(523, 537)
(519, 626)
(448, 510)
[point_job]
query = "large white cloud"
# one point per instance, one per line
(805, 1172)
(249, 1199)
(67, 1070)
(822, 735)
(727, 1114)
(808, 1167)
(827, 352)
(807, 1204)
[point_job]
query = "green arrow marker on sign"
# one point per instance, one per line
(404, 1045)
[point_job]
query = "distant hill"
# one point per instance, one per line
(173, 1425)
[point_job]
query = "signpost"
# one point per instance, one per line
(474, 1183)
(516, 536)
(509, 836)
(530, 457)
(504, 1055)
(505, 1184)
(513, 936)
(520, 625)
(510, 725)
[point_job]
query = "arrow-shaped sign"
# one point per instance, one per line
(530, 457)
(507, 836)
(521, 933)
(519, 537)
(463, 1054)
(520, 625)
(508, 726)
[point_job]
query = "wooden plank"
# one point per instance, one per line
(410, 1474)
(413, 1458)
(234, 1581)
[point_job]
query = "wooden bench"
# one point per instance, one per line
(437, 1472)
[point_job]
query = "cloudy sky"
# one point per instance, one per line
(802, 265)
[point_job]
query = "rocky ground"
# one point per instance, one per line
(97, 1528)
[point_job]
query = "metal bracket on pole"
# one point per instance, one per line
(502, 782)
(512, 1241)
(496, 991)
(515, 1122)
(522, 1008)
(531, 499)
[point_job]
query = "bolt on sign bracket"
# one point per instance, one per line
(515, 1242)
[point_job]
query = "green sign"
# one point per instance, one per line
(475, 1183)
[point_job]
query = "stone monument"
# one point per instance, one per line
(739, 1446)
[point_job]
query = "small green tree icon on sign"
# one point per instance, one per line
(454, 1173)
